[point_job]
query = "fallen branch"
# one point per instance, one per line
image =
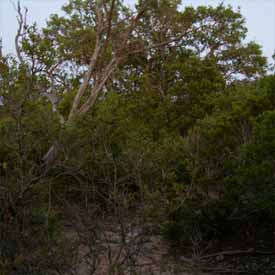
(250, 251)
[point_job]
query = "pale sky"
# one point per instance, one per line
(259, 15)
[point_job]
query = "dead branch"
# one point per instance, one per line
(22, 25)
(239, 252)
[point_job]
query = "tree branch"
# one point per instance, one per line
(83, 87)
(22, 24)
(95, 91)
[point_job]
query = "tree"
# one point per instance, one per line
(79, 52)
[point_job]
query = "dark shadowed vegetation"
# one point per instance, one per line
(136, 142)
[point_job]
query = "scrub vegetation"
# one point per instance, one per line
(136, 142)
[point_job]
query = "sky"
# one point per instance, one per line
(259, 15)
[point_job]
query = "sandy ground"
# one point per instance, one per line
(113, 253)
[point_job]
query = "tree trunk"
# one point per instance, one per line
(50, 157)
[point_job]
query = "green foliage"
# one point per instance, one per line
(232, 153)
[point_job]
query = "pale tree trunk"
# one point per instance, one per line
(91, 89)
(103, 75)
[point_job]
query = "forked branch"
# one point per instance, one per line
(22, 26)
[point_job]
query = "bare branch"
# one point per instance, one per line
(109, 68)
(109, 24)
(161, 44)
(128, 32)
(83, 87)
(22, 25)
(96, 90)
(54, 67)
(86, 80)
